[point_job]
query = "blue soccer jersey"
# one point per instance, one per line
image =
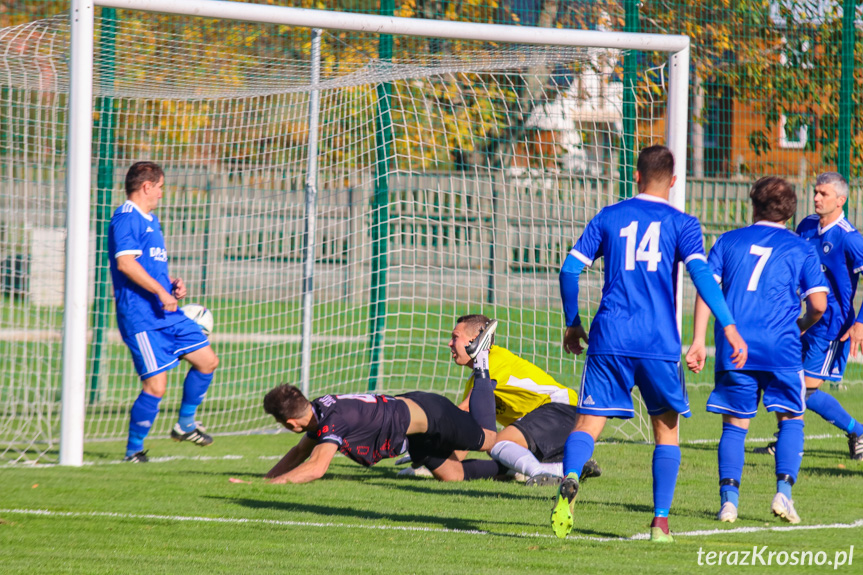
(132, 232)
(641, 240)
(840, 248)
(765, 271)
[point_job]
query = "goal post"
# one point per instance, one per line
(80, 145)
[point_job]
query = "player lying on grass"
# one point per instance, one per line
(370, 427)
(634, 339)
(826, 344)
(536, 411)
(765, 270)
(157, 334)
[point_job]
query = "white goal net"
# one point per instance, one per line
(453, 177)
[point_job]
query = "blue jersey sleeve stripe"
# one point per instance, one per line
(581, 257)
(701, 257)
(858, 270)
(718, 279)
(815, 290)
(128, 253)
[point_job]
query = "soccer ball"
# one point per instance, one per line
(200, 315)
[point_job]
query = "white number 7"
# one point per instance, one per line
(763, 255)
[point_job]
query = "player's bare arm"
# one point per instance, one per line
(313, 468)
(816, 305)
(855, 334)
(573, 338)
(295, 456)
(129, 266)
(697, 354)
(741, 350)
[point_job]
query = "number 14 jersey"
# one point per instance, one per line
(641, 240)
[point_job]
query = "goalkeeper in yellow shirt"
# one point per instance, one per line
(537, 412)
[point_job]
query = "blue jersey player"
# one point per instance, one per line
(634, 340)
(157, 334)
(765, 270)
(825, 344)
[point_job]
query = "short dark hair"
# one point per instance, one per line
(141, 172)
(285, 402)
(474, 321)
(655, 164)
(773, 199)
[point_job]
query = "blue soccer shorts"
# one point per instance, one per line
(159, 350)
(823, 358)
(607, 382)
(737, 393)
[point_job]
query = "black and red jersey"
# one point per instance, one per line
(365, 426)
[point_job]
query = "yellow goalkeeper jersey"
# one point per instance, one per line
(521, 386)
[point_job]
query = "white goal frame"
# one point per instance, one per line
(79, 151)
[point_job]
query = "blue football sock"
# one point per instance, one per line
(141, 418)
(666, 464)
(481, 403)
(789, 449)
(832, 411)
(576, 451)
(731, 455)
(783, 487)
(194, 390)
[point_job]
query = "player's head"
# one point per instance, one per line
(289, 406)
(147, 179)
(466, 329)
(773, 200)
(655, 169)
(831, 192)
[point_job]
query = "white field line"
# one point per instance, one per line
(329, 525)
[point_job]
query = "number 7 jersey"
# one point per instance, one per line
(765, 270)
(641, 240)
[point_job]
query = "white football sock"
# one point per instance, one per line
(516, 457)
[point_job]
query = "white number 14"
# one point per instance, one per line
(648, 248)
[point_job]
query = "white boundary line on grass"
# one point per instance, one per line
(240, 521)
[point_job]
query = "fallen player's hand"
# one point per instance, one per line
(572, 339)
(855, 334)
(741, 350)
(696, 357)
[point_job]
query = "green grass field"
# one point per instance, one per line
(180, 514)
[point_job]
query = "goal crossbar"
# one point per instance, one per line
(79, 150)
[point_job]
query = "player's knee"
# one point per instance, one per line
(490, 440)
(448, 473)
(208, 364)
(155, 388)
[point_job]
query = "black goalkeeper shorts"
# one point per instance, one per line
(449, 429)
(546, 429)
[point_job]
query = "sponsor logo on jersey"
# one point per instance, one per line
(149, 229)
(589, 401)
(159, 254)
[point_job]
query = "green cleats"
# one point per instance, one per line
(561, 513)
(657, 535)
